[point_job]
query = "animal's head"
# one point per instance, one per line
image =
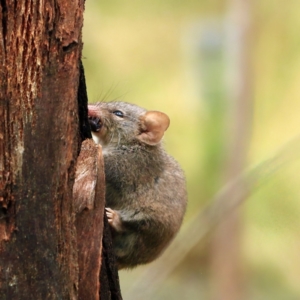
(113, 123)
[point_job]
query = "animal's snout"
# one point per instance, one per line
(95, 123)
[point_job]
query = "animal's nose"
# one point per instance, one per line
(95, 123)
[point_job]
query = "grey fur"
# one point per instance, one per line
(145, 186)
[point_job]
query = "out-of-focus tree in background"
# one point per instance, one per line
(228, 76)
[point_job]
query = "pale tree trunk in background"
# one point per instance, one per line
(227, 274)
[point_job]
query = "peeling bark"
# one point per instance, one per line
(89, 202)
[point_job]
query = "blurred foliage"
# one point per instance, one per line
(149, 53)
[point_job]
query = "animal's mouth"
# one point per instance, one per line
(95, 123)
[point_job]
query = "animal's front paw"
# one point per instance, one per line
(114, 219)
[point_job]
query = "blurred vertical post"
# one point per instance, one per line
(226, 266)
(208, 48)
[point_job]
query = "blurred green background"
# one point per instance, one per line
(177, 57)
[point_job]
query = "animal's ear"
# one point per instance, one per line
(153, 126)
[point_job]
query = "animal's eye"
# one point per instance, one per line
(118, 113)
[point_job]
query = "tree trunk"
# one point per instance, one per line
(40, 47)
(45, 252)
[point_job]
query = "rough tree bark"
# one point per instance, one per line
(40, 50)
(40, 44)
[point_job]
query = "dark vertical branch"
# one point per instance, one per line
(84, 127)
(110, 286)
